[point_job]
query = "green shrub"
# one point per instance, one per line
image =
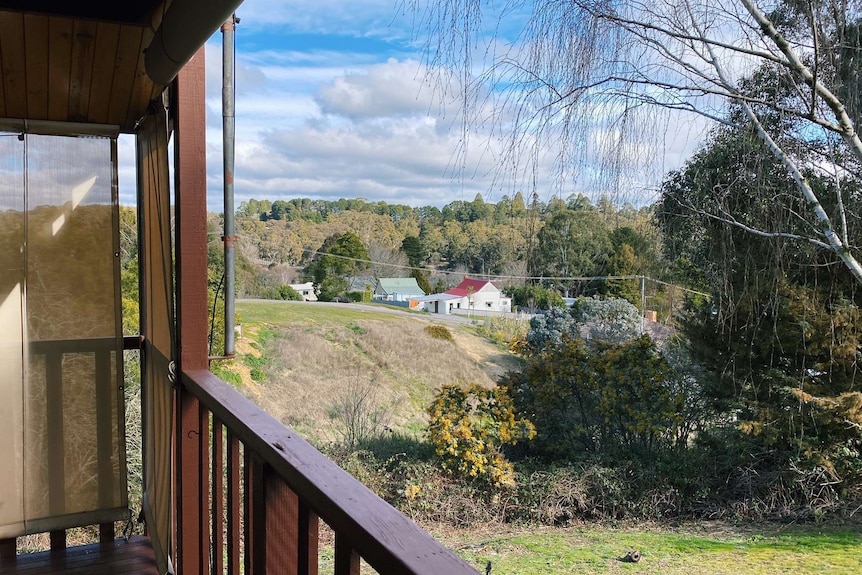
(439, 332)
(535, 297)
(227, 375)
(503, 331)
(287, 293)
(355, 296)
(618, 399)
(356, 328)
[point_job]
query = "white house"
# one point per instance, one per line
(469, 295)
(306, 290)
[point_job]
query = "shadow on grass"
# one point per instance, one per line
(396, 444)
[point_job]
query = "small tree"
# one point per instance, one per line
(533, 297)
(357, 412)
(470, 426)
(338, 257)
(604, 398)
(286, 292)
(607, 319)
(422, 280)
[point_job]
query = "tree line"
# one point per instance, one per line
(509, 239)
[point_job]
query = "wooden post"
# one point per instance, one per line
(309, 527)
(191, 215)
(58, 540)
(346, 558)
(8, 549)
(281, 523)
(189, 112)
(233, 504)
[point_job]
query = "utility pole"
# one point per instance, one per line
(643, 304)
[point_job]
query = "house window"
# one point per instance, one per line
(487, 304)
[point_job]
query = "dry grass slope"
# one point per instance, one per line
(312, 361)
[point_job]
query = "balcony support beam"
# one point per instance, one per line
(192, 488)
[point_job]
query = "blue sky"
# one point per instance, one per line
(334, 100)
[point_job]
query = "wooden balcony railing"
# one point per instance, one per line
(252, 490)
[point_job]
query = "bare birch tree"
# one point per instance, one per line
(591, 80)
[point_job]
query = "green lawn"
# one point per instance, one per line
(283, 313)
(595, 550)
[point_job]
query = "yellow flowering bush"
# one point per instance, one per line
(412, 491)
(468, 428)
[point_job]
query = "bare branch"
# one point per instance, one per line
(795, 64)
(728, 219)
(827, 229)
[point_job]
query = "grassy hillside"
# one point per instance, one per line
(300, 361)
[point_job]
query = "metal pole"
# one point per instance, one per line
(229, 136)
(643, 304)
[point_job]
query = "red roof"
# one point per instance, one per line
(464, 288)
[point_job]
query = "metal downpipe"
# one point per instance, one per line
(229, 136)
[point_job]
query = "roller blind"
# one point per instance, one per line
(156, 325)
(61, 418)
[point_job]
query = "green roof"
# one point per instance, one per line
(404, 286)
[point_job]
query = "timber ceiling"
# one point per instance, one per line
(77, 61)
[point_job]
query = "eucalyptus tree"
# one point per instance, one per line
(572, 243)
(590, 79)
(339, 257)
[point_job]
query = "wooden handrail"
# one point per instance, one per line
(390, 542)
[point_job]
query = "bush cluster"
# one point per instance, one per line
(469, 427)
(439, 332)
(621, 428)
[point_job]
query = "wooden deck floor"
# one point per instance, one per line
(121, 556)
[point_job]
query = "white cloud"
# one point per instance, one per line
(380, 91)
(357, 119)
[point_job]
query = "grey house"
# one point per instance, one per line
(397, 289)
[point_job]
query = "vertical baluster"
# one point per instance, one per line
(282, 525)
(54, 439)
(8, 549)
(255, 517)
(105, 402)
(58, 540)
(106, 533)
(218, 496)
(233, 505)
(346, 558)
(204, 478)
(309, 530)
(105, 427)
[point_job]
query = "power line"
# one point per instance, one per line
(508, 277)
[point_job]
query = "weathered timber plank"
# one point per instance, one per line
(36, 56)
(60, 32)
